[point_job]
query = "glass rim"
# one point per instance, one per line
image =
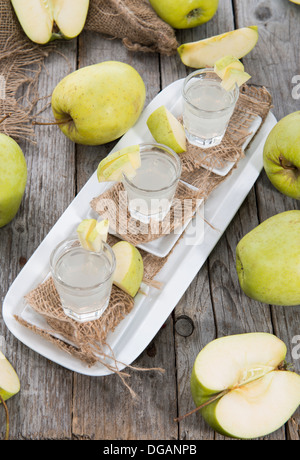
(70, 286)
(171, 153)
(210, 70)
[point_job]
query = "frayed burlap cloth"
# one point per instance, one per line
(133, 21)
(197, 165)
(21, 60)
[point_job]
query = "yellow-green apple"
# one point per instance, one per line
(129, 267)
(9, 380)
(13, 178)
(282, 155)
(40, 18)
(98, 103)
(184, 14)
(205, 53)
(245, 378)
(295, 1)
(268, 260)
(124, 161)
(167, 130)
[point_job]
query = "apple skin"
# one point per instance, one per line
(282, 155)
(268, 260)
(13, 178)
(129, 272)
(179, 13)
(9, 380)
(102, 101)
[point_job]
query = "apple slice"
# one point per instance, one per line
(167, 130)
(205, 53)
(129, 267)
(227, 62)
(84, 229)
(252, 393)
(9, 380)
(125, 161)
(233, 77)
(38, 18)
(98, 235)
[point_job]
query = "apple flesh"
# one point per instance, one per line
(9, 380)
(129, 270)
(256, 396)
(205, 53)
(98, 236)
(181, 14)
(281, 155)
(268, 260)
(226, 63)
(98, 103)
(125, 161)
(167, 130)
(234, 77)
(13, 178)
(39, 18)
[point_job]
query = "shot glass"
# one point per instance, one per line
(83, 278)
(207, 108)
(150, 193)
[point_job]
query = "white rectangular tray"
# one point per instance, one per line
(136, 331)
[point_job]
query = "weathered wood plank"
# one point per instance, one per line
(42, 408)
(273, 63)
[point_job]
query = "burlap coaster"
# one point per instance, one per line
(113, 206)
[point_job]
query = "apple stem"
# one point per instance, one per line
(7, 418)
(209, 401)
(60, 122)
(4, 118)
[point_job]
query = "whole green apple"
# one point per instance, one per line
(282, 155)
(184, 14)
(98, 103)
(268, 260)
(13, 178)
(244, 383)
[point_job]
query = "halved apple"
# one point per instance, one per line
(204, 53)
(167, 130)
(254, 393)
(40, 18)
(125, 161)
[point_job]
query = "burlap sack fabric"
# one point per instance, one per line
(21, 61)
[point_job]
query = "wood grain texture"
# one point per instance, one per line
(55, 403)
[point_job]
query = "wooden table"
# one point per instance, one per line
(55, 403)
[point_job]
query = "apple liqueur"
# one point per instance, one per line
(83, 279)
(208, 108)
(150, 192)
